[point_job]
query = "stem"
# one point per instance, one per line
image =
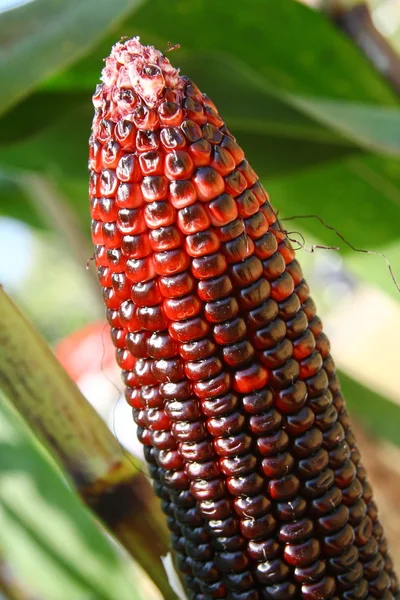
(354, 18)
(110, 482)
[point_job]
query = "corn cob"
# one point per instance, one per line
(225, 363)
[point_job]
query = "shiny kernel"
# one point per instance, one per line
(131, 221)
(180, 284)
(170, 114)
(247, 204)
(192, 219)
(129, 195)
(208, 183)
(200, 152)
(203, 369)
(108, 183)
(191, 131)
(251, 378)
(170, 261)
(160, 345)
(222, 161)
(222, 210)
(235, 183)
(172, 138)
(182, 193)
(205, 267)
(165, 238)
(145, 118)
(197, 350)
(147, 141)
(154, 187)
(185, 331)
(221, 405)
(136, 246)
(141, 269)
(178, 165)
(202, 243)
(125, 133)
(185, 307)
(111, 154)
(159, 214)
(151, 162)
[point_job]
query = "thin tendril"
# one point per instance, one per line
(339, 235)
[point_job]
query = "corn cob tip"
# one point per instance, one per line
(134, 71)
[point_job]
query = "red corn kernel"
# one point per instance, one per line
(172, 286)
(235, 183)
(159, 214)
(172, 138)
(191, 131)
(128, 168)
(108, 183)
(136, 246)
(165, 238)
(125, 133)
(131, 221)
(222, 210)
(141, 269)
(170, 114)
(208, 183)
(205, 267)
(151, 163)
(178, 165)
(104, 209)
(192, 329)
(192, 219)
(147, 141)
(144, 118)
(154, 187)
(252, 378)
(200, 153)
(182, 308)
(202, 243)
(128, 316)
(170, 261)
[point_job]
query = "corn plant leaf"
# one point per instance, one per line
(46, 534)
(372, 127)
(325, 66)
(377, 414)
(44, 36)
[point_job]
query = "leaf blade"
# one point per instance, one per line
(50, 34)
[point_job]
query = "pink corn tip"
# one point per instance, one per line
(132, 67)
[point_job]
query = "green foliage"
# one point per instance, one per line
(48, 536)
(47, 35)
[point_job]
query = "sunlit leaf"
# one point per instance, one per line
(44, 36)
(45, 532)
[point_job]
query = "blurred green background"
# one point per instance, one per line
(319, 123)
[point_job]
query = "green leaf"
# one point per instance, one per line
(15, 204)
(46, 534)
(44, 36)
(60, 149)
(372, 127)
(37, 112)
(376, 413)
(358, 196)
(288, 45)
